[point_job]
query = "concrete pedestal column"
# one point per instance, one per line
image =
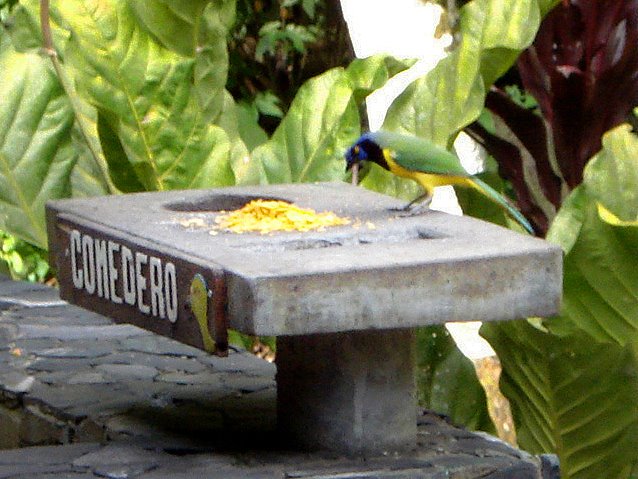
(351, 392)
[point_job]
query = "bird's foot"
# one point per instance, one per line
(416, 210)
(415, 207)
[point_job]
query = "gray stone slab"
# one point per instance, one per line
(127, 371)
(61, 400)
(7, 334)
(64, 313)
(235, 362)
(67, 365)
(186, 378)
(405, 271)
(117, 454)
(159, 345)
(169, 363)
(247, 383)
(75, 349)
(33, 346)
(88, 378)
(37, 471)
(46, 454)
(80, 332)
(16, 382)
(23, 294)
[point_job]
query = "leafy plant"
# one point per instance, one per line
(447, 382)
(21, 260)
(156, 94)
(277, 46)
(582, 71)
(564, 375)
(36, 151)
(573, 381)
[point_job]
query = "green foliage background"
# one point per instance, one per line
(139, 98)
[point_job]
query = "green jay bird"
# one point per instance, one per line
(424, 162)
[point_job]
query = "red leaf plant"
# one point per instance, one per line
(582, 69)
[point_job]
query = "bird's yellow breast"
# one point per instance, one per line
(428, 181)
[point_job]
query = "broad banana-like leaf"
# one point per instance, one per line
(571, 395)
(601, 278)
(439, 104)
(447, 382)
(195, 29)
(308, 145)
(246, 172)
(146, 93)
(493, 33)
(25, 29)
(322, 122)
(90, 176)
(573, 386)
(248, 127)
(36, 153)
(87, 177)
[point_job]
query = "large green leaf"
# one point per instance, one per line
(439, 104)
(571, 395)
(446, 380)
(195, 29)
(322, 122)
(90, 176)
(146, 93)
(573, 387)
(493, 33)
(601, 278)
(36, 154)
(246, 172)
(25, 30)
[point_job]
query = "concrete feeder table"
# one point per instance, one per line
(342, 302)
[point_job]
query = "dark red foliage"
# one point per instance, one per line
(512, 170)
(583, 71)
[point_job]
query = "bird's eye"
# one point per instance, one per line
(356, 149)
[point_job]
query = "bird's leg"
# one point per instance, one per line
(424, 201)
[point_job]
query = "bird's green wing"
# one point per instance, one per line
(418, 154)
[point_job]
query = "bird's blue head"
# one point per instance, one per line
(355, 155)
(365, 149)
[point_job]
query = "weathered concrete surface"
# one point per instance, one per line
(349, 392)
(384, 271)
(103, 414)
(347, 292)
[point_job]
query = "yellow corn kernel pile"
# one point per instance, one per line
(267, 216)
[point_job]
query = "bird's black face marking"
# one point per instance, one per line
(365, 149)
